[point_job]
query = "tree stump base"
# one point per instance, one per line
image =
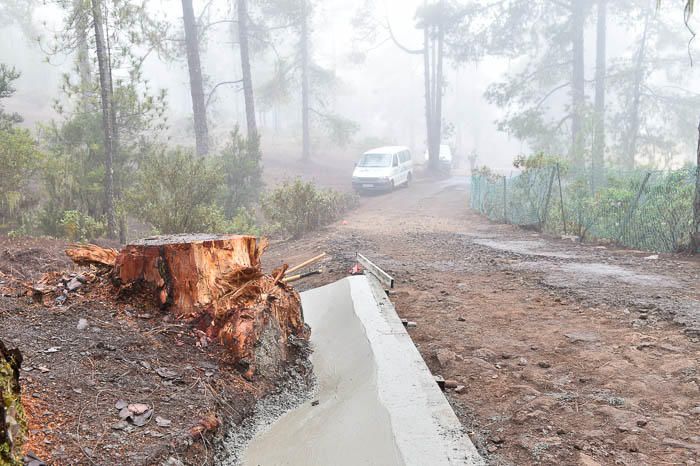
(13, 425)
(216, 281)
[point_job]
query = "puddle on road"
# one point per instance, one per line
(619, 273)
(530, 247)
(589, 273)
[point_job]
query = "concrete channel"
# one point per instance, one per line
(377, 402)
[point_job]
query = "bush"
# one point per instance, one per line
(77, 226)
(242, 169)
(19, 159)
(297, 207)
(175, 191)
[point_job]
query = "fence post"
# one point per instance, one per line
(505, 200)
(561, 200)
(633, 207)
(479, 206)
(543, 222)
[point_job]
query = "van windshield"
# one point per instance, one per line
(375, 160)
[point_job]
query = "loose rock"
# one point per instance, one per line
(445, 357)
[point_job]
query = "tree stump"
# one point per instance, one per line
(217, 281)
(13, 425)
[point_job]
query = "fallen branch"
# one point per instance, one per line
(87, 254)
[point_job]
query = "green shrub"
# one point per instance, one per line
(77, 226)
(178, 192)
(19, 158)
(175, 191)
(243, 223)
(297, 207)
(241, 165)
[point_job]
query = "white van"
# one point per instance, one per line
(383, 168)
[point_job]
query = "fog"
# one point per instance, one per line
(382, 92)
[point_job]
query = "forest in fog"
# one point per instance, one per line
(125, 117)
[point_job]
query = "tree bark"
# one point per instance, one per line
(437, 116)
(120, 217)
(107, 114)
(432, 157)
(13, 426)
(633, 121)
(245, 68)
(577, 82)
(201, 130)
(304, 50)
(82, 27)
(598, 156)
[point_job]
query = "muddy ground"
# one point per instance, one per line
(569, 353)
(90, 356)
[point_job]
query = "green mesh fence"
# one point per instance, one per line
(649, 210)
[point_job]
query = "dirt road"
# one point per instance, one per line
(569, 353)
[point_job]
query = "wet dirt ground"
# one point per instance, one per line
(569, 353)
(85, 358)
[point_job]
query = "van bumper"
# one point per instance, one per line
(371, 185)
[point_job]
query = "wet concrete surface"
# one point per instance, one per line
(377, 403)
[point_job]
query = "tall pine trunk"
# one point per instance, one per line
(245, 69)
(82, 27)
(577, 82)
(118, 174)
(304, 50)
(437, 116)
(304, 46)
(633, 118)
(201, 130)
(598, 156)
(432, 157)
(107, 114)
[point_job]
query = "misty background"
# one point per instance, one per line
(380, 87)
(595, 84)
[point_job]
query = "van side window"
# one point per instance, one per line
(396, 160)
(402, 157)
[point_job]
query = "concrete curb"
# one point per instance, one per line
(377, 402)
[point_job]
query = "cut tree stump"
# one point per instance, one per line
(190, 272)
(216, 281)
(13, 425)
